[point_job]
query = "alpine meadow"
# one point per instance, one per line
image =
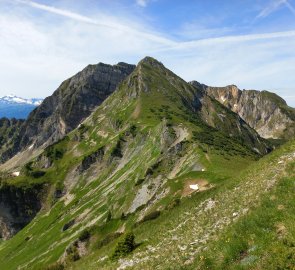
(131, 166)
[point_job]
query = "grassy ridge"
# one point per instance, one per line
(125, 169)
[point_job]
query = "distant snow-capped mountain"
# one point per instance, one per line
(12, 106)
(13, 99)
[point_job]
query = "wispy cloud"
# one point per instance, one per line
(240, 38)
(142, 3)
(41, 55)
(290, 6)
(109, 24)
(274, 6)
(168, 43)
(63, 12)
(230, 40)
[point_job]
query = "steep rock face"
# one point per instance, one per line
(17, 208)
(8, 128)
(264, 111)
(72, 102)
(9, 131)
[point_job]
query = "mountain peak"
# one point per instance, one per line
(144, 145)
(150, 61)
(264, 111)
(75, 99)
(148, 73)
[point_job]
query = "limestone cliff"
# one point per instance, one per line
(264, 111)
(18, 206)
(72, 102)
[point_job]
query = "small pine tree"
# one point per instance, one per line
(109, 216)
(123, 216)
(84, 235)
(124, 247)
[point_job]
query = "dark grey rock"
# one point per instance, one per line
(18, 206)
(71, 103)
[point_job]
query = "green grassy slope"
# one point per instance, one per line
(247, 223)
(132, 161)
(265, 237)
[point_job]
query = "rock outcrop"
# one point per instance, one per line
(8, 129)
(264, 111)
(70, 104)
(9, 132)
(18, 206)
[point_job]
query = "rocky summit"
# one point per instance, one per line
(264, 111)
(132, 167)
(71, 103)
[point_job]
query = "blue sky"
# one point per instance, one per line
(244, 42)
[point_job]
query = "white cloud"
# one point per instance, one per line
(62, 12)
(105, 21)
(194, 31)
(274, 6)
(36, 56)
(109, 22)
(234, 39)
(290, 7)
(142, 3)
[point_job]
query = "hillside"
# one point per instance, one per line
(60, 113)
(131, 161)
(246, 223)
(8, 129)
(242, 235)
(264, 111)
